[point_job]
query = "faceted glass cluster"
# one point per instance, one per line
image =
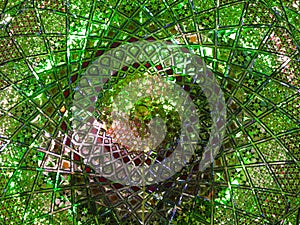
(252, 48)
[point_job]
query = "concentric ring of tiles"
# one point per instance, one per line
(251, 46)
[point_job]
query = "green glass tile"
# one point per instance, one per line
(47, 17)
(252, 37)
(231, 15)
(46, 46)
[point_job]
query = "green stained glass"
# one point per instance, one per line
(252, 49)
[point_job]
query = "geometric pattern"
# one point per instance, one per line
(252, 47)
